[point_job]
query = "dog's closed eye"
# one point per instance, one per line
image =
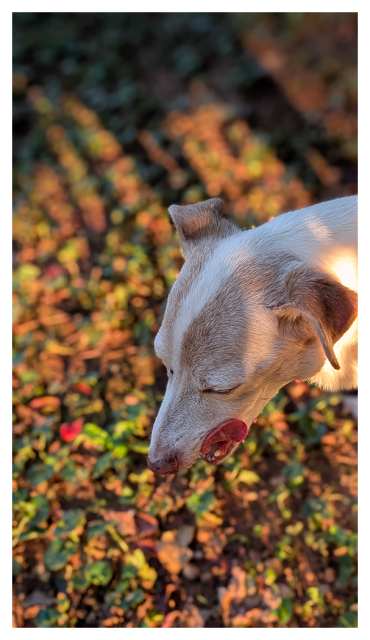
(221, 391)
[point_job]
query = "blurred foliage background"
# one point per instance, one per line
(117, 116)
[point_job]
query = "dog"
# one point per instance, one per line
(249, 312)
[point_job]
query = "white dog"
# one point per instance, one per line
(250, 312)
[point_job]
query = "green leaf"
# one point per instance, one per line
(17, 357)
(313, 506)
(199, 503)
(42, 508)
(316, 596)
(27, 271)
(122, 430)
(284, 611)
(139, 447)
(338, 535)
(69, 471)
(313, 431)
(20, 495)
(136, 559)
(129, 496)
(70, 521)
(132, 599)
(283, 548)
(348, 620)
(120, 451)
(38, 473)
(347, 568)
(28, 375)
(15, 567)
(294, 529)
(80, 581)
(95, 434)
(56, 556)
(47, 618)
(293, 470)
(129, 571)
(97, 528)
(148, 573)
(270, 576)
(257, 530)
(247, 476)
(99, 573)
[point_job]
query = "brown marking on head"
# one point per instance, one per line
(200, 228)
(208, 343)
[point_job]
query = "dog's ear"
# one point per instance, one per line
(310, 300)
(195, 222)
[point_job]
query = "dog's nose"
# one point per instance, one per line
(164, 466)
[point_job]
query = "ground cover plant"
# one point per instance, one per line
(116, 117)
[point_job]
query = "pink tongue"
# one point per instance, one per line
(234, 430)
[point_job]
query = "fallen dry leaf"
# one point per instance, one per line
(44, 401)
(171, 554)
(126, 521)
(146, 525)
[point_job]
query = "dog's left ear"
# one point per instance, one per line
(195, 222)
(309, 297)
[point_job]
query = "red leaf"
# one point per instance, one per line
(170, 619)
(83, 388)
(70, 430)
(54, 270)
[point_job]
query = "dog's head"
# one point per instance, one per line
(239, 324)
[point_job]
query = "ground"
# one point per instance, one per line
(116, 117)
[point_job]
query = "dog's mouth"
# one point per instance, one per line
(221, 441)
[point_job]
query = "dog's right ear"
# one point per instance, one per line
(195, 222)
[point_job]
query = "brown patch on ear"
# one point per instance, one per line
(330, 308)
(195, 222)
